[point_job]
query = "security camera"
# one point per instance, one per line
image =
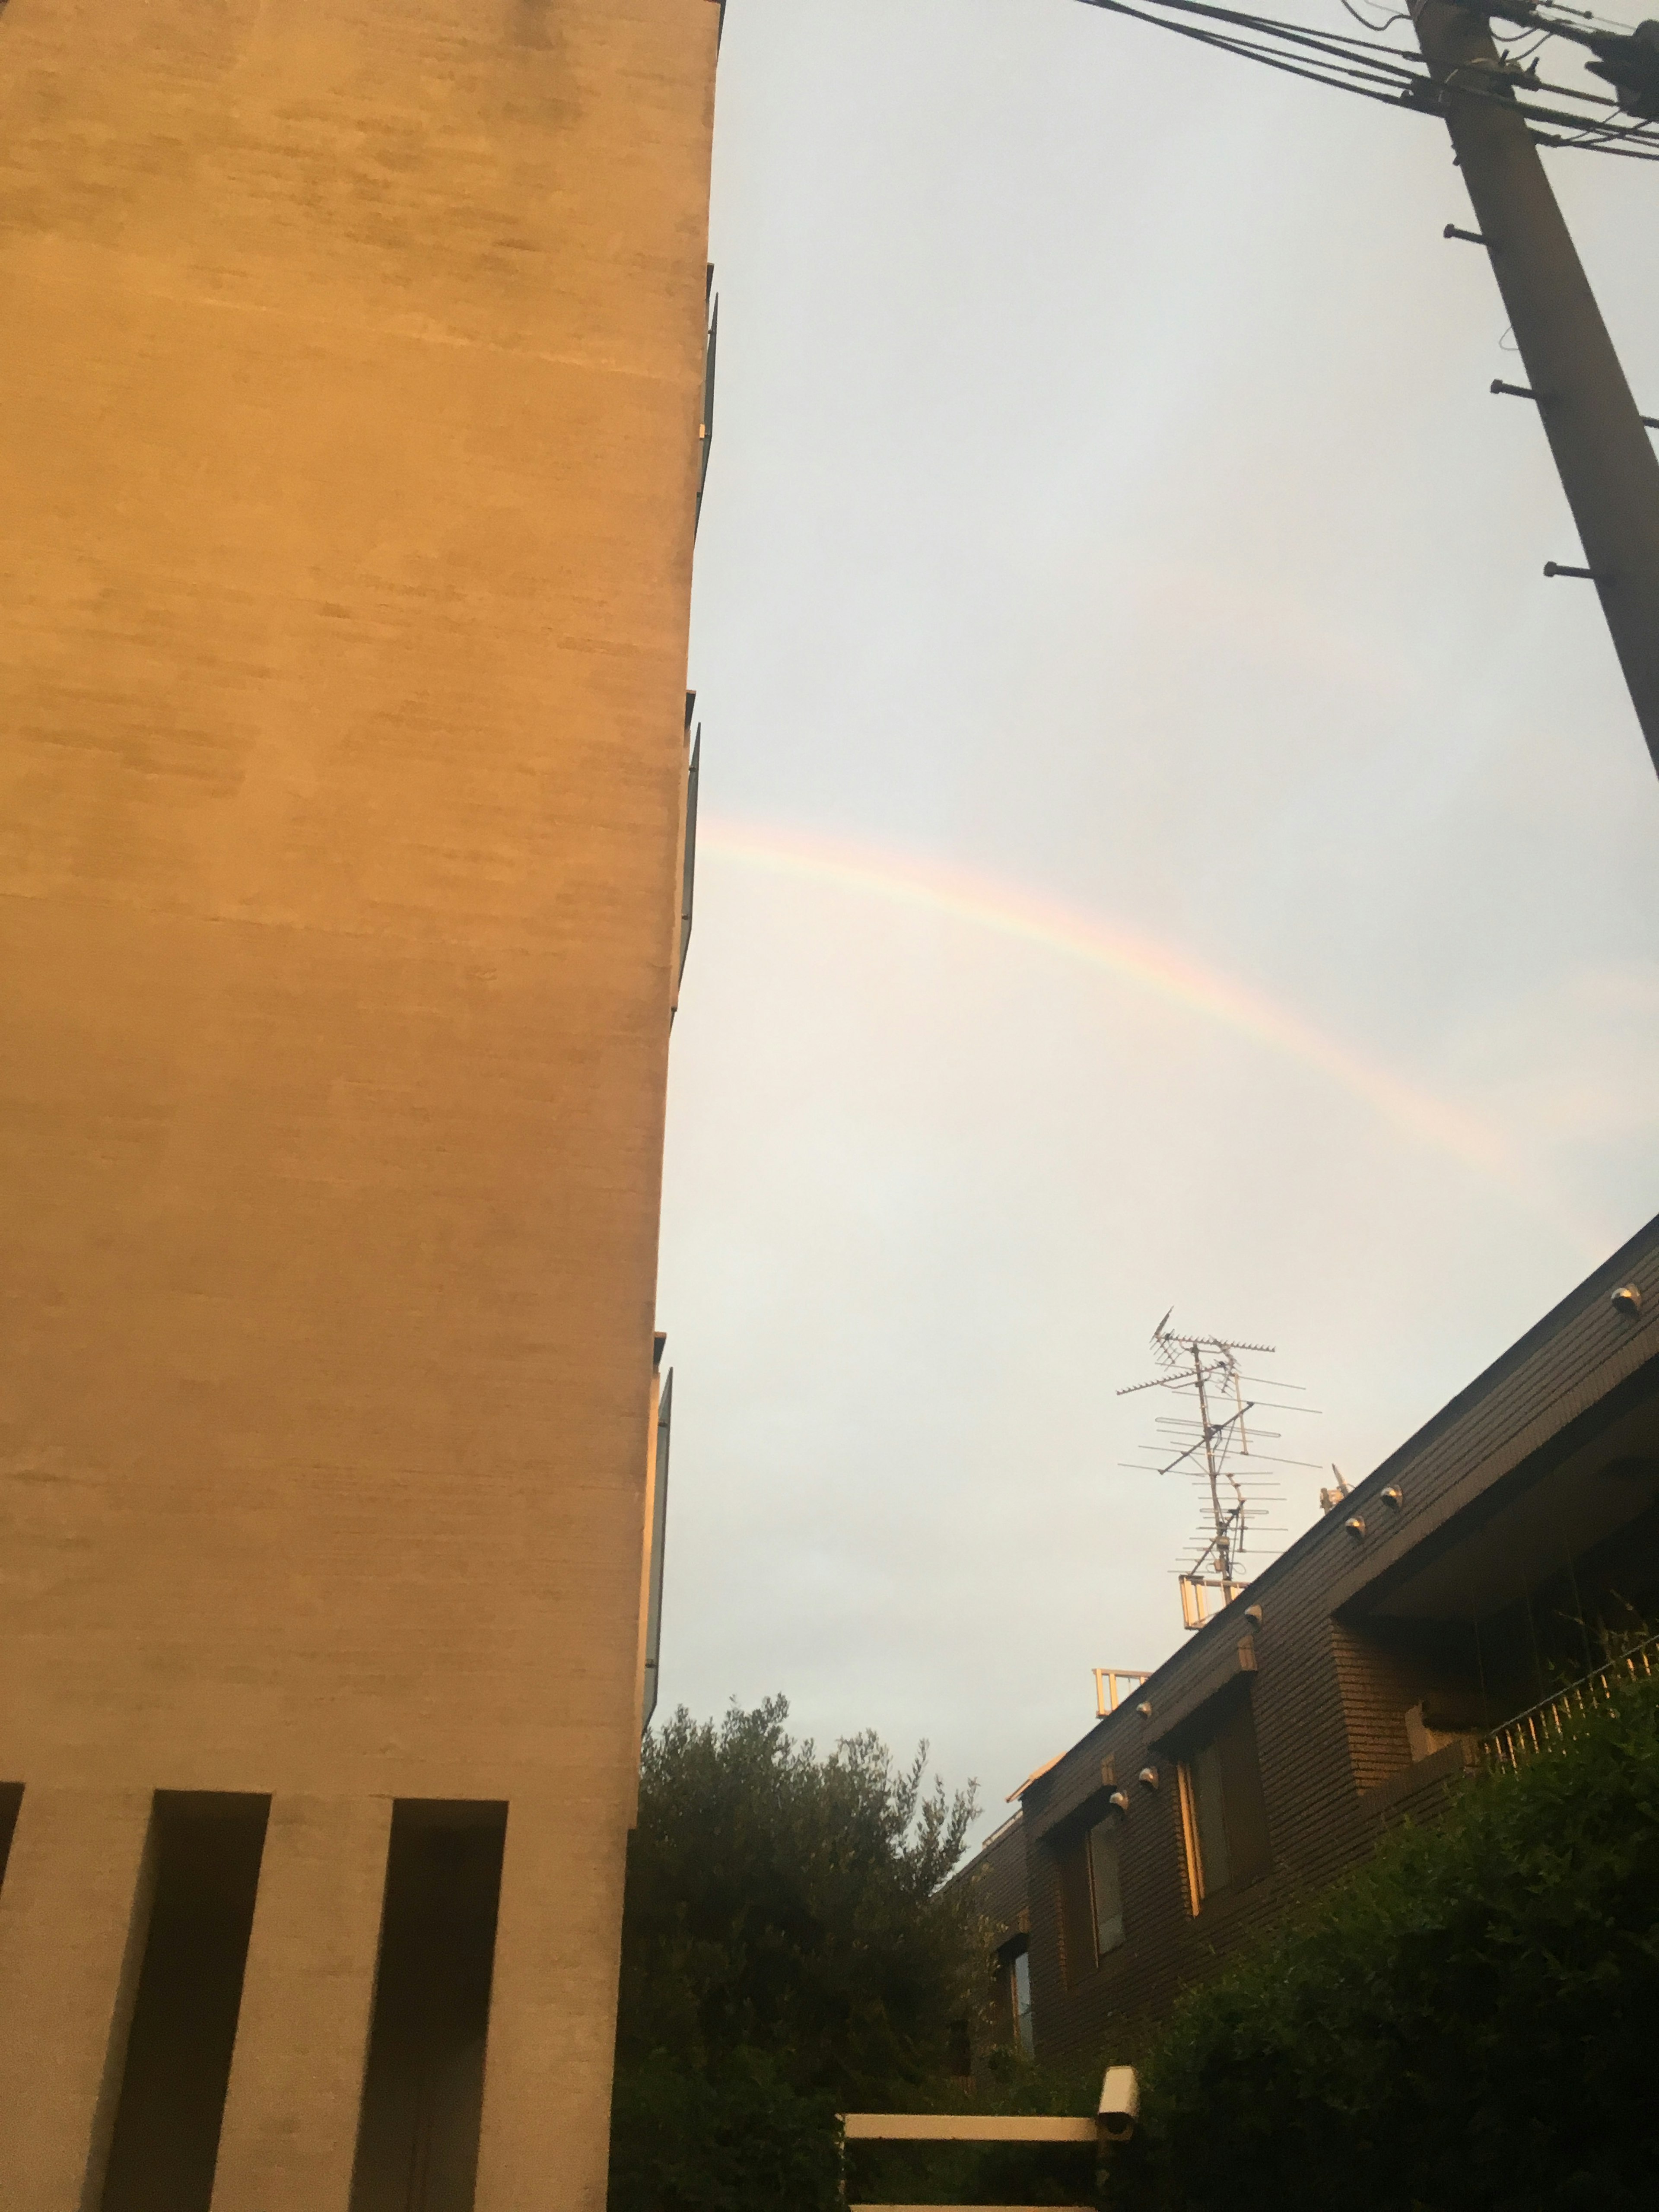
(1120, 2104)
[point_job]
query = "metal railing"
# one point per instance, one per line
(1551, 1721)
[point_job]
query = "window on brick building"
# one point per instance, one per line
(1019, 1998)
(1224, 1817)
(1091, 1897)
(1105, 1890)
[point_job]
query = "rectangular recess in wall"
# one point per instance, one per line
(11, 1798)
(418, 2141)
(206, 1850)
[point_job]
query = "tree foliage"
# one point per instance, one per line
(1471, 2021)
(790, 1948)
(735, 2137)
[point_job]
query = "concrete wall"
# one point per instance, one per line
(353, 378)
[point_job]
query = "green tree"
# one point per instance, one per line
(790, 1948)
(1471, 2021)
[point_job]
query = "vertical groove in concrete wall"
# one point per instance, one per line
(11, 1800)
(418, 2144)
(166, 2137)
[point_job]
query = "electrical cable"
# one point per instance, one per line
(1292, 67)
(1394, 76)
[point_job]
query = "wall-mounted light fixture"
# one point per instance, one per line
(1120, 2104)
(1394, 1496)
(1628, 1299)
(1147, 1777)
(1355, 1528)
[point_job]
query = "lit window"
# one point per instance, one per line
(1222, 1815)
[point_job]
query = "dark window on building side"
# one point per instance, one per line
(689, 867)
(1224, 1815)
(1019, 1998)
(658, 1537)
(1091, 1896)
(706, 433)
(1105, 1889)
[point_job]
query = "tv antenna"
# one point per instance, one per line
(1219, 1445)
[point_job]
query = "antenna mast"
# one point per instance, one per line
(1221, 1450)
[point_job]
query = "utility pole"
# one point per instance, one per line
(1604, 458)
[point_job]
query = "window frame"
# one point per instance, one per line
(1077, 1899)
(1021, 2017)
(1112, 1828)
(1229, 1734)
(1189, 1844)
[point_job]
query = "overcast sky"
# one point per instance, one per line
(1164, 842)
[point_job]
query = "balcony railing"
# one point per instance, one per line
(1550, 1723)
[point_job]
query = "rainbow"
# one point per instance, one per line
(990, 902)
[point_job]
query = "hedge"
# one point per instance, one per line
(1470, 2021)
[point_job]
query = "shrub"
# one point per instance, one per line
(733, 2138)
(1471, 2021)
(791, 1949)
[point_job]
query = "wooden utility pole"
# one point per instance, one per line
(1607, 463)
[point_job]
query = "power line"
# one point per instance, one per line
(1490, 103)
(1397, 76)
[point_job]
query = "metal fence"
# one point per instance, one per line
(1553, 1720)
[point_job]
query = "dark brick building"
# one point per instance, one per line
(1483, 1562)
(997, 1873)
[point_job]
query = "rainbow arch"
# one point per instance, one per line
(1134, 960)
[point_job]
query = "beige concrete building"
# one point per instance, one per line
(354, 362)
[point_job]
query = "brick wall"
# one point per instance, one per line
(1511, 1467)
